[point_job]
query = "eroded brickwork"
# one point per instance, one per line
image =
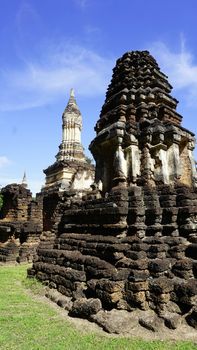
(146, 261)
(131, 243)
(20, 224)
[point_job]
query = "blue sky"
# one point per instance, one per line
(49, 46)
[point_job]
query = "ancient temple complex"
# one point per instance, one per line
(71, 169)
(129, 247)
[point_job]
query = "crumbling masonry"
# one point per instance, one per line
(131, 243)
(20, 224)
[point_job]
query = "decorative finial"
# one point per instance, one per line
(24, 180)
(72, 93)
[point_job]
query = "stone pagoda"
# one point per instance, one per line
(125, 254)
(71, 169)
(140, 139)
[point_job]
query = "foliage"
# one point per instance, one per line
(29, 322)
(89, 160)
(1, 201)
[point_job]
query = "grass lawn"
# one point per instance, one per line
(29, 324)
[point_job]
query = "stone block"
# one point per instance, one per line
(138, 275)
(188, 288)
(65, 291)
(110, 286)
(84, 308)
(65, 302)
(95, 273)
(141, 264)
(169, 307)
(161, 285)
(151, 322)
(116, 321)
(157, 248)
(136, 255)
(159, 265)
(183, 264)
(171, 320)
(137, 286)
(120, 275)
(109, 299)
(185, 274)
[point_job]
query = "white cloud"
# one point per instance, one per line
(179, 66)
(59, 67)
(41, 81)
(91, 30)
(26, 12)
(81, 3)
(4, 161)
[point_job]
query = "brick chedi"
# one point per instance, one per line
(71, 174)
(127, 251)
(139, 134)
(71, 169)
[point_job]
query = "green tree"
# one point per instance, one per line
(1, 201)
(89, 160)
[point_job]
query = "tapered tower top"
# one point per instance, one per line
(72, 93)
(71, 148)
(24, 180)
(138, 91)
(72, 111)
(140, 138)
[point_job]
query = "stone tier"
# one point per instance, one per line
(68, 175)
(138, 91)
(135, 249)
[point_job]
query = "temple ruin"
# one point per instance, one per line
(20, 223)
(127, 244)
(22, 218)
(131, 243)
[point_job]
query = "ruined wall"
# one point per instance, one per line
(135, 249)
(20, 224)
(15, 204)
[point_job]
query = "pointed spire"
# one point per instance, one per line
(72, 106)
(72, 93)
(71, 147)
(24, 180)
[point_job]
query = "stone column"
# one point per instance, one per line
(191, 146)
(161, 165)
(173, 157)
(133, 159)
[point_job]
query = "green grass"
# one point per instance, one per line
(30, 324)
